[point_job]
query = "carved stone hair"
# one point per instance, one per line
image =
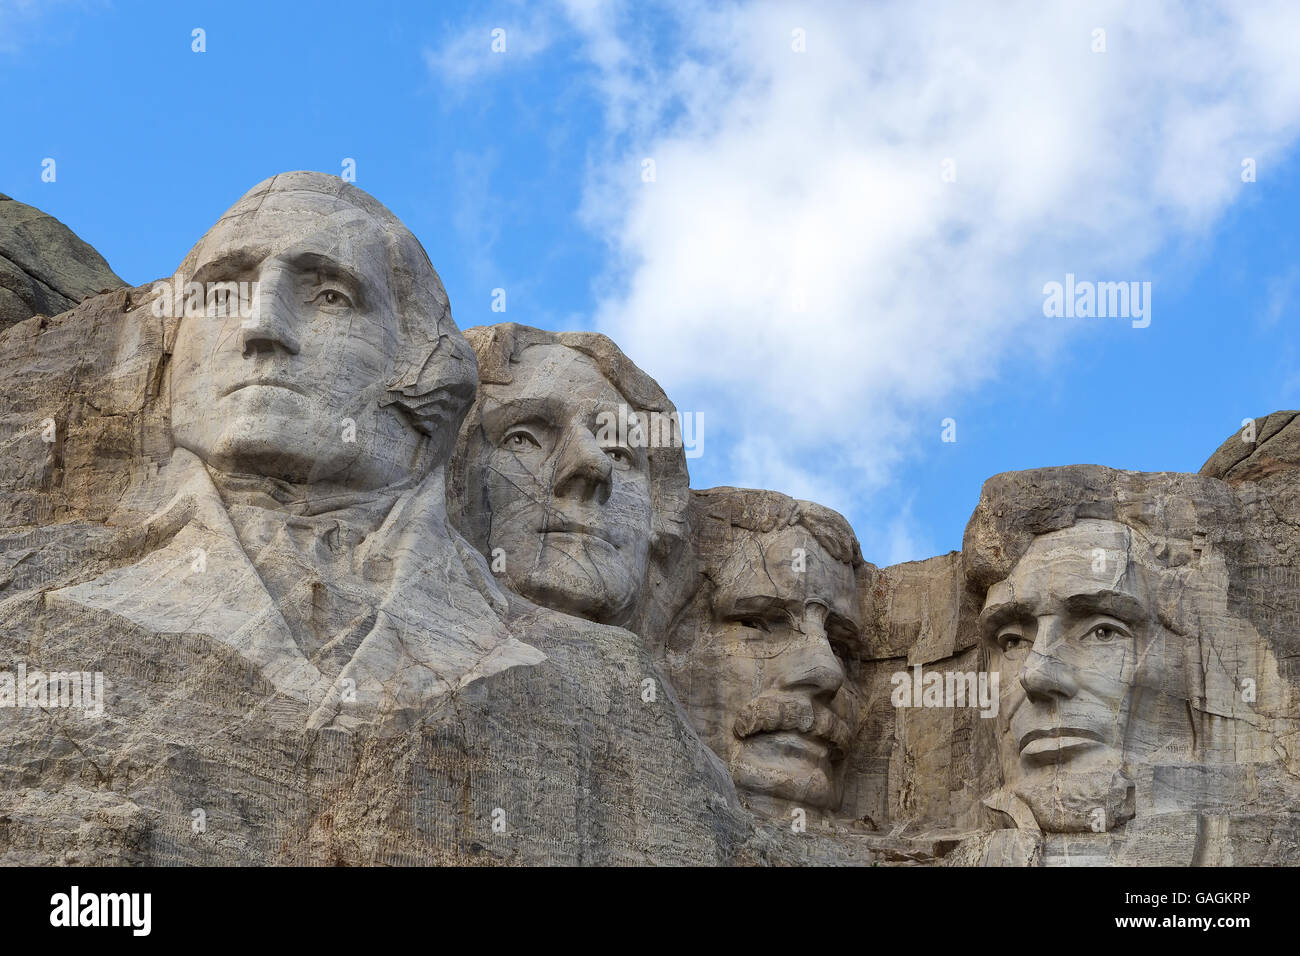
(434, 375)
(499, 346)
(671, 576)
(1193, 537)
(718, 510)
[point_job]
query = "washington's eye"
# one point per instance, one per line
(619, 457)
(332, 297)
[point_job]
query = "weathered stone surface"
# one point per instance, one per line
(45, 268)
(1260, 448)
(765, 658)
(360, 589)
(297, 648)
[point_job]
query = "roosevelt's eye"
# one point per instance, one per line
(332, 297)
(520, 440)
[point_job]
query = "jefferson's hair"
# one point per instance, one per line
(499, 347)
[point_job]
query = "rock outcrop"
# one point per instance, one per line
(45, 268)
(244, 618)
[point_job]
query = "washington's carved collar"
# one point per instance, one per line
(361, 510)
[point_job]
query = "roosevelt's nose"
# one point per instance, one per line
(810, 663)
(270, 327)
(1043, 675)
(582, 470)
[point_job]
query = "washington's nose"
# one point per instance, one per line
(810, 663)
(1043, 675)
(583, 470)
(274, 314)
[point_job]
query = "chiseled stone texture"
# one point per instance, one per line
(212, 586)
(313, 654)
(45, 268)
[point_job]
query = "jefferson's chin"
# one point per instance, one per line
(570, 575)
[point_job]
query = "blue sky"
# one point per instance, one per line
(776, 169)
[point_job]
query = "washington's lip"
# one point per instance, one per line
(565, 526)
(1067, 736)
(273, 382)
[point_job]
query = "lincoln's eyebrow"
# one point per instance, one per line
(1110, 602)
(749, 604)
(995, 615)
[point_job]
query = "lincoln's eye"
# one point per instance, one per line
(1012, 642)
(1103, 633)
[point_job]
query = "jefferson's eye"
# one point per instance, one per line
(1104, 634)
(752, 623)
(332, 297)
(520, 441)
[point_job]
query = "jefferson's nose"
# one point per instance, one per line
(270, 327)
(1044, 675)
(810, 663)
(583, 470)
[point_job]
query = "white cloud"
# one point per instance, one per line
(20, 19)
(815, 176)
(467, 54)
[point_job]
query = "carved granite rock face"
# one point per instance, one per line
(1146, 712)
(300, 519)
(44, 268)
(562, 482)
(763, 658)
(224, 494)
(297, 648)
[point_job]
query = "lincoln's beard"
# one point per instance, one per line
(1077, 801)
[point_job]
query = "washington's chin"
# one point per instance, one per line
(269, 445)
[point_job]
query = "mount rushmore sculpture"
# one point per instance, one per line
(293, 571)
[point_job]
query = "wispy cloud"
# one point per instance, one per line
(514, 35)
(801, 269)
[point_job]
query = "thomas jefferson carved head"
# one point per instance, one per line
(575, 511)
(342, 366)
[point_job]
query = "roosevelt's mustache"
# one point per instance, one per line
(771, 714)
